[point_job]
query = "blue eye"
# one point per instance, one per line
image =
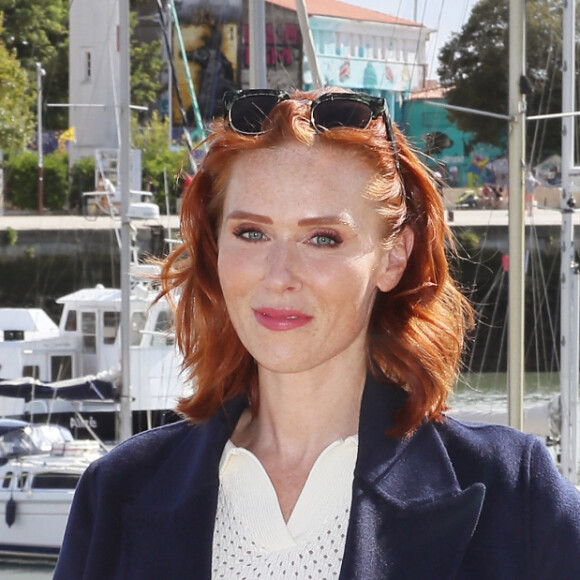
(326, 240)
(250, 234)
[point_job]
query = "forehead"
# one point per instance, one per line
(296, 176)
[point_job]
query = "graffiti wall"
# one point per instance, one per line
(210, 38)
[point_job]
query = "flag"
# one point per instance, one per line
(344, 71)
(67, 135)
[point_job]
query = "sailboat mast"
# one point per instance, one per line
(569, 282)
(257, 42)
(124, 418)
(516, 233)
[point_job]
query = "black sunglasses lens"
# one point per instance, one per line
(341, 113)
(248, 114)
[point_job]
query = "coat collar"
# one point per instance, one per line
(409, 517)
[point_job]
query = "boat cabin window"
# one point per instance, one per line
(61, 367)
(71, 321)
(31, 371)
(110, 326)
(138, 320)
(7, 480)
(89, 330)
(10, 335)
(163, 324)
(55, 481)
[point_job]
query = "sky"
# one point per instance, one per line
(446, 16)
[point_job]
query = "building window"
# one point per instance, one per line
(329, 44)
(347, 42)
(87, 66)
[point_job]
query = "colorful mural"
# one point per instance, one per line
(478, 171)
(450, 151)
(210, 37)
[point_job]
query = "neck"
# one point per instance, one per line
(302, 413)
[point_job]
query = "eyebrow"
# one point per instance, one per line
(246, 215)
(331, 220)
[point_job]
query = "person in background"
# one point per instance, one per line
(322, 334)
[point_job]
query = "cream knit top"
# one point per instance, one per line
(251, 539)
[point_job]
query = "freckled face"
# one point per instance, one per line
(300, 256)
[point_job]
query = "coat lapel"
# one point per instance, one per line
(409, 517)
(179, 506)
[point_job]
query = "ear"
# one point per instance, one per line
(395, 260)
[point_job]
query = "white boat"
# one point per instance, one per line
(85, 346)
(40, 466)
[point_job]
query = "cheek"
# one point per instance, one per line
(350, 283)
(235, 272)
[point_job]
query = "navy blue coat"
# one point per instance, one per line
(455, 500)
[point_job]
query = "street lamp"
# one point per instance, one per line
(40, 72)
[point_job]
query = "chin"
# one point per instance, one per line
(284, 366)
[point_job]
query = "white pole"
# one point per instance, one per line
(308, 43)
(569, 307)
(257, 40)
(170, 76)
(125, 421)
(40, 72)
(517, 132)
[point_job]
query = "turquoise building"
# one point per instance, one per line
(449, 150)
(366, 50)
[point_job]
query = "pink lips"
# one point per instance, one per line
(281, 319)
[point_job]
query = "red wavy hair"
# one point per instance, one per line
(417, 330)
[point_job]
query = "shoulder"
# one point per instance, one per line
(483, 438)
(526, 497)
(503, 458)
(487, 444)
(166, 456)
(141, 455)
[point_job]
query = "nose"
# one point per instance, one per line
(283, 267)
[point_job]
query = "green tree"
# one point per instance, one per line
(152, 138)
(38, 32)
(16, 126)
(146, 64)
(22, 182)
(474, 65)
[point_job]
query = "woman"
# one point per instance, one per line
(317, 317)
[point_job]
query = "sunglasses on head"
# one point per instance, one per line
(247, 110)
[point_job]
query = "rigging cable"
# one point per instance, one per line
(175, 83)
